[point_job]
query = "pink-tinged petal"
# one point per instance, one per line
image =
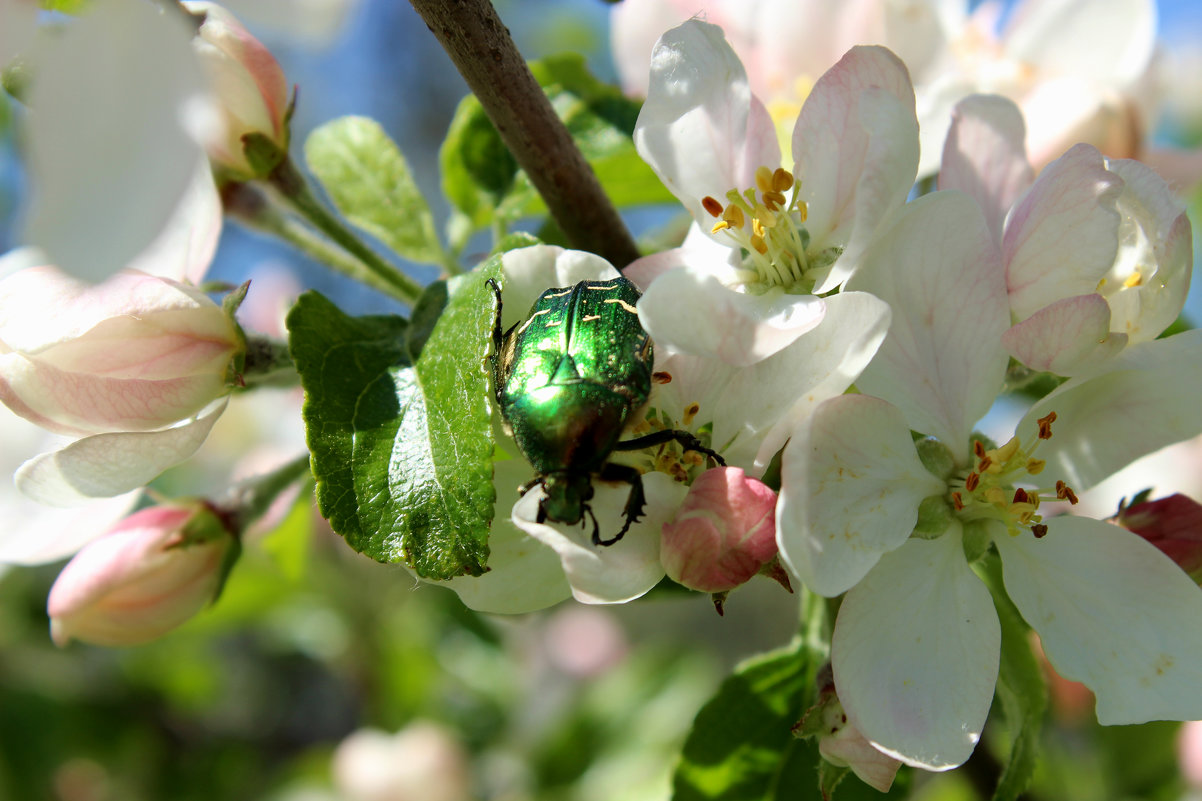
(691, 311)
(701, 129)
(523, 575)
(943, 362)
(723, 533)
(754, 410)
(851, 483)
(1156, 240)
(1174, 526)
(1180, 167)
(1065, 110)
(185, 248)
(1061, 238)
(604, 574)
(34, 534)
(531, 271)
(105, 465)
(915, 654)
(1144, 399)
(1065, 337)
(130, 63)
(985, 157)
(1113, 613)
(856, 151)
(1111, 41)
(846, 746)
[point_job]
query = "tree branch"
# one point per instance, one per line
(485, 55)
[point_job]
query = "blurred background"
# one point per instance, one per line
(323, 675)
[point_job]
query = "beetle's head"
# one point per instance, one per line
(567, 496)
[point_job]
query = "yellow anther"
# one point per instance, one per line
(804, 209)
(757, 227)
(1035, 466)
(1045, 425)
(759, 244)
(734, 216)
(782, 180)
(690, 412)
(712, 206)
(763, 179)
(995, 496)
(1007, 451)
(1133, 280)
(774, 200)
(721, 225)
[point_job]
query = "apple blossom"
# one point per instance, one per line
(1097, 252)
(421, 762)
(723, 533)
(864, 510)
(249, 87)
(138, 367)
(712, 142)
(746, 412)
(147, 575)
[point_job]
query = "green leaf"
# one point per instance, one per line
(402, 449)
(367, 177)
(1020, 688)
(482, 180)
(741, 747)
(67, 6)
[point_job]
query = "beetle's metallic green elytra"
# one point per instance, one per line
(569, 379)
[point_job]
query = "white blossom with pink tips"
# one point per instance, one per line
(1097, 252)
(778, 234)
(867, 511)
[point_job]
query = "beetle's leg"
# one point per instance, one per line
(634, 504)
(686, 440)
(596, 527)
(529, 485)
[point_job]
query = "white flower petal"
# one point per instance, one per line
(104, 465)
(185, 248)
(20, 20)
(915, 654)
(523, 574)
(851, 483)
(602, 574)
(531, 271)
(1114, 613)
(701, 129)
(856, 151)
(985, 158)
(1146, 398)
(34, 534)
(1110, 41)
(109, 156)
(691, 311)
(1155, 233)
(1062, 236)
(1065, 337)
(942, 363)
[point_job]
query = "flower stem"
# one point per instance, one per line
(295, 189)
(250, 500)
(268, 364)
(252, 208)
(485, 55)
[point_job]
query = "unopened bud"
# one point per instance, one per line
(1172, 524)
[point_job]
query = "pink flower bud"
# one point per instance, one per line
(151, 572)
(136, 353)
(250, 88)
(1172, 524)
(723, 533)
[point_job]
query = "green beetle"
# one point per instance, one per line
(569, 379)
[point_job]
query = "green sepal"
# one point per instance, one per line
(1021, 689)
(934, 518)
(977, 539)
(829, 777)
(516, 241)
(369, 180)
(402, 448)
(262, 153)
(204, 526)
(936, 457)
(230, 305)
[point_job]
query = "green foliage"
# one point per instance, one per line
(400, 426)
(1020, 689)
(741, 744)
(369, 180)
(67, 6)
(483, 182)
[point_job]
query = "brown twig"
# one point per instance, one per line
(485, 55)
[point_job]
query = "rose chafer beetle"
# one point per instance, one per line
(569, 379)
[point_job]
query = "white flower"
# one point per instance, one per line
(1097, 252)
(713, 143)
(915, 647)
